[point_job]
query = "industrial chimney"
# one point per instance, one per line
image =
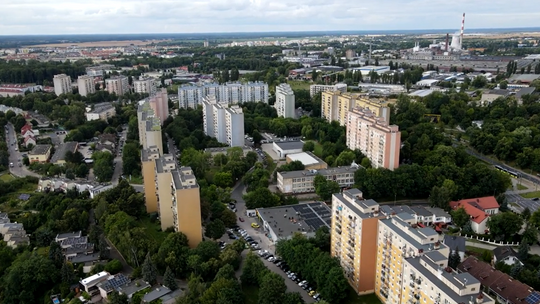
(447, 37)
(462, 29)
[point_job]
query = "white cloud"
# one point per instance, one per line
(166, 16)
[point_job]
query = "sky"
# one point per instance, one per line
(54, 17)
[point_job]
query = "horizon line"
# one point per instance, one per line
(537, 28)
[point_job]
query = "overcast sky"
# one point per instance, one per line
(180, 16)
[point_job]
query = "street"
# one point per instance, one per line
(15, 156)
(264, 242)
(118, 157)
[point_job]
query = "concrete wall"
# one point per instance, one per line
(189, 215)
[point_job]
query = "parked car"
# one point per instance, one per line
(241, 219)
(255, 225)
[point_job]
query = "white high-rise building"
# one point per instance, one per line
(190, 96)
(224, 123)
(62, 84)
(118, 85)
(86, 85)
(145, 85)
(285, 101)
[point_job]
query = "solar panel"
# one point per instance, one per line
(24, 197)
(118, 281)
(533, 298)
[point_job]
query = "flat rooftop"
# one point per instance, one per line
(40, 150)
(324, 172)
(289, 145)
(302, 218)
(305, 158)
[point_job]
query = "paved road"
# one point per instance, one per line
(264, 242)
(15, 157)
(118, 157)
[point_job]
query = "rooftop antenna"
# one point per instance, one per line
(462, 29)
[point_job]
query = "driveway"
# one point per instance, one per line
(264, 242)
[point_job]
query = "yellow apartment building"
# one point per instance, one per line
(164, 165)
(336, 105)
(186, 205)
(149, 127)
(354, 238)
(148, 157)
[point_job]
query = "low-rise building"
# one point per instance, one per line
(426, 216)
(284, 221)
(101, 111)
(296, 182)
(479, 210)
(506, 255)
(155, 294)
(90, 283)
(308, 159)
(59, 156)
(121, 284)
(502, 286)
(489, 96)
(13, 233)
(284, 148)
(63, 185)
(40, 154)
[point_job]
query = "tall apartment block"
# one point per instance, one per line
(186, 205)
(224, 122)
(354, 238)
(118, 85)
(148, 168)
(149, 127)
(86, 85)
(319, 88)
(159, 102)
(190, 96)
(62, 84)
(372, 135)
(336, 105)
(284, 105)
(145, 85)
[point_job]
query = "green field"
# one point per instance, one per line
(521, 187)
(6, 177)
(318, 149)
(531, 194)
(153, 230)
(299, 85)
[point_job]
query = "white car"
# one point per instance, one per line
(301, 284)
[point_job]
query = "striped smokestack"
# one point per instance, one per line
(462, 29)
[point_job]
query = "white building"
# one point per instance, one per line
(190, 96)
(86, 85)
(224, 123)
(318, 88)
(101, 111)
(285, 101)
(118, 85)
(62, 84)
(145, 85)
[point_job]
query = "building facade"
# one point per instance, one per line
(302, 181)
(354, 238)
(186, 205)
(101, 111)
(86, 85)
(160, 104)
(145, 85)
(118, 85)
(284, 105)
(372, 135)
(148, 168)
(336, 105)
(149, 127)
(190, 96)
(224, 123)
(62, 84)
(319, 88)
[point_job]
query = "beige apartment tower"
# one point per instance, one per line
(354, 238)
(165, 165)
(186, 205)
(148, 158)
(336, 105)
(86, 85)
(372, 135)
(62, 84)
(118, 85)
(149, 127)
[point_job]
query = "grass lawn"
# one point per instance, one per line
(251, 294)
(153, 230)
(521, 187)
(6, 177)
(531, 194)
(299, 85)
(138, 180)
(480, 251)
(318, 149)
(367, 299)
(43, 251)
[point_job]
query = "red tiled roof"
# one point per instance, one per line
(500, 283)
(26, 128)
(475, 207)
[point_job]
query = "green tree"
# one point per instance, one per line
(67, 273)
(503, 225)
(292, 298)
(454, 259)
(325, 188)
(215, 229)
(252, 270)
(272, 289)
(261, 198)
(103, 166)
(173, 253)
(114, 266)
(460, 217)
(131, 159)
(257, 137)
(322, 239)
(117, 298)
(149, 270)
(81, 171)
(55, 254)
(223, 179)
(309, 146)
(523, 251)
(169, 280)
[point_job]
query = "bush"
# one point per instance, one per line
(114, 267)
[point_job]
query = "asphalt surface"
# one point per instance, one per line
(264, 242)
(15, 157)
(118, 157)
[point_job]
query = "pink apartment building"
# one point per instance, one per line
(160, 104)
(372, 135)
